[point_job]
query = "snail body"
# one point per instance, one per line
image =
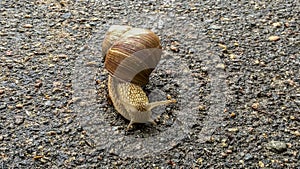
(131, 54)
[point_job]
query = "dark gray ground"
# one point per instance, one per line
(42, 41)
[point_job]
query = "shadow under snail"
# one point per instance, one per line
(130, 55)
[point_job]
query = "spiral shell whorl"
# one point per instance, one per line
(131, 54)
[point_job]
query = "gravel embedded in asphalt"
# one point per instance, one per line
(257, 44)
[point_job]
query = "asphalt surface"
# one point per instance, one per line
(233, 67)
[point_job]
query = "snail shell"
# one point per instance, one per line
(131, 54)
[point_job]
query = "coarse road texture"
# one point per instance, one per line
(256, 42)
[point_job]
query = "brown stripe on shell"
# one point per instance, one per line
(134, 55)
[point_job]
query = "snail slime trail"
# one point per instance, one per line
(131, 54)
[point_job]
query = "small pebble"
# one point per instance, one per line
(174, 48)
(232, 56)
(51, 133)
(66, 15)
(232, 115)
(224, 47)
(91, 64)
(277, 146)
(48, 103)
(19, 106)
(224, 155)
(296, 133)
(2, 106)
(248, 157)
(255, 106)
(261, 164)
(233, 129)
(202, 107)
(215, 27)
(38, 157)
(27, 26)
(274, 38)
(38, 84)
(276, 24)
(228, 151)
(223, 144)
(220, 66)
(200, 160)
(19, 120)
(292, 117)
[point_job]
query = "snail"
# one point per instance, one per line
(130, 55)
